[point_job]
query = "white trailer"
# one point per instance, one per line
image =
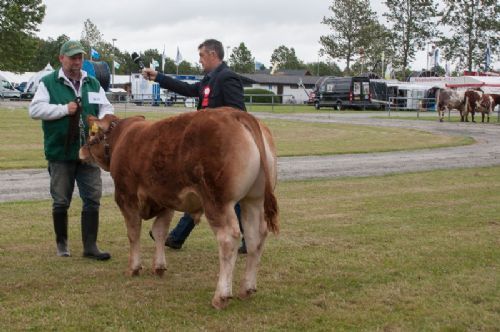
(144, 91)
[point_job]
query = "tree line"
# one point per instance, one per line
(357, 38)
(360, 39)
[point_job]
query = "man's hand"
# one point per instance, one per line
(72, 107)
(149, 74)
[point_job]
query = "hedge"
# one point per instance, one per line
(261, 99)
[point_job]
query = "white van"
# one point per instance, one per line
(7, 90)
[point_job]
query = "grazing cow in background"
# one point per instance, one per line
(447, 100)
(496, 100)
(199, 162)
(486, 106)
(472, 103)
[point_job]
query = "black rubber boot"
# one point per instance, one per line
(60, 218)
(90, 227)
(243, 247)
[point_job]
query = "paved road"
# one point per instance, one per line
(33, 183)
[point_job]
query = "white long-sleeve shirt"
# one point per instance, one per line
(41, 109)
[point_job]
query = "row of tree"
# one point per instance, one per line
(357, 38)
(43, 51)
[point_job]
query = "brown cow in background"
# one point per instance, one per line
(486, 106)
(477, 101)
(202, 163)
(447, 100)
(472, 103)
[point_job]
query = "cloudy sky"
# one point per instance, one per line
(262, 25)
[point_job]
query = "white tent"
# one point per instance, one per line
(35, 79)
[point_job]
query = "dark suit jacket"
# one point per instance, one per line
(226, 88)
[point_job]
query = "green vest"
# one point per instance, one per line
(55, 131)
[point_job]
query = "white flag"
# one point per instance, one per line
(388, 71)
(447, 71)
(436, 57)
(178, 57)
(487, 57)
(116, 65)
(163, 59)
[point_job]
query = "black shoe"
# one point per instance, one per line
(99, 256)
(242, 249)
(90, 227)
(169, 242)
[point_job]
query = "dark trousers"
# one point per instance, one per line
(64, 174)
(186, 224)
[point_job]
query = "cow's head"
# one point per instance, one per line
(97, 148)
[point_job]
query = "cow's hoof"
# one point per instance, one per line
(134, 272)
(246, 293)
(159, 271)
(220, 303)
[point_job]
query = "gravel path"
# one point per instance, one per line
(34, 183)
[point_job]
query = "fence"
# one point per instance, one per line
(417, 104)
(252, 99)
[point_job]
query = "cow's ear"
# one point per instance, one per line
(93, 125)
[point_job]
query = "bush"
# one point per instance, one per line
(261, 99)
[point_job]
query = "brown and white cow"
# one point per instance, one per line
(472, 103)
(447, 100)
(486, 106)
(199, 162)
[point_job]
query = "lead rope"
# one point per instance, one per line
(74, 125)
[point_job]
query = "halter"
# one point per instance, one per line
(102, 138)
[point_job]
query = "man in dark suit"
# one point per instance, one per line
(220, 87)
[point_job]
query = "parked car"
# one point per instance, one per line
(344, 92)
(7, 90)
(21, 86)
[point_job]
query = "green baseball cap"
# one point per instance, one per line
(71, 47)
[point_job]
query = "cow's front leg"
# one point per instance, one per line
(160, 232)
(133, 222)
(227, 233)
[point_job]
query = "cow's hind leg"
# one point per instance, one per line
(255, 232)
(133, 222)
(160, 232)
(225, 227)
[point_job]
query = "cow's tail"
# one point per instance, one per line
(271, 209)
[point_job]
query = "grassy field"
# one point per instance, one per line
(413, 252)
(22, 139)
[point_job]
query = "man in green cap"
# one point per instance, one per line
(63, 101)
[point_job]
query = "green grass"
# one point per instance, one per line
(412, 252)
(22, 139)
